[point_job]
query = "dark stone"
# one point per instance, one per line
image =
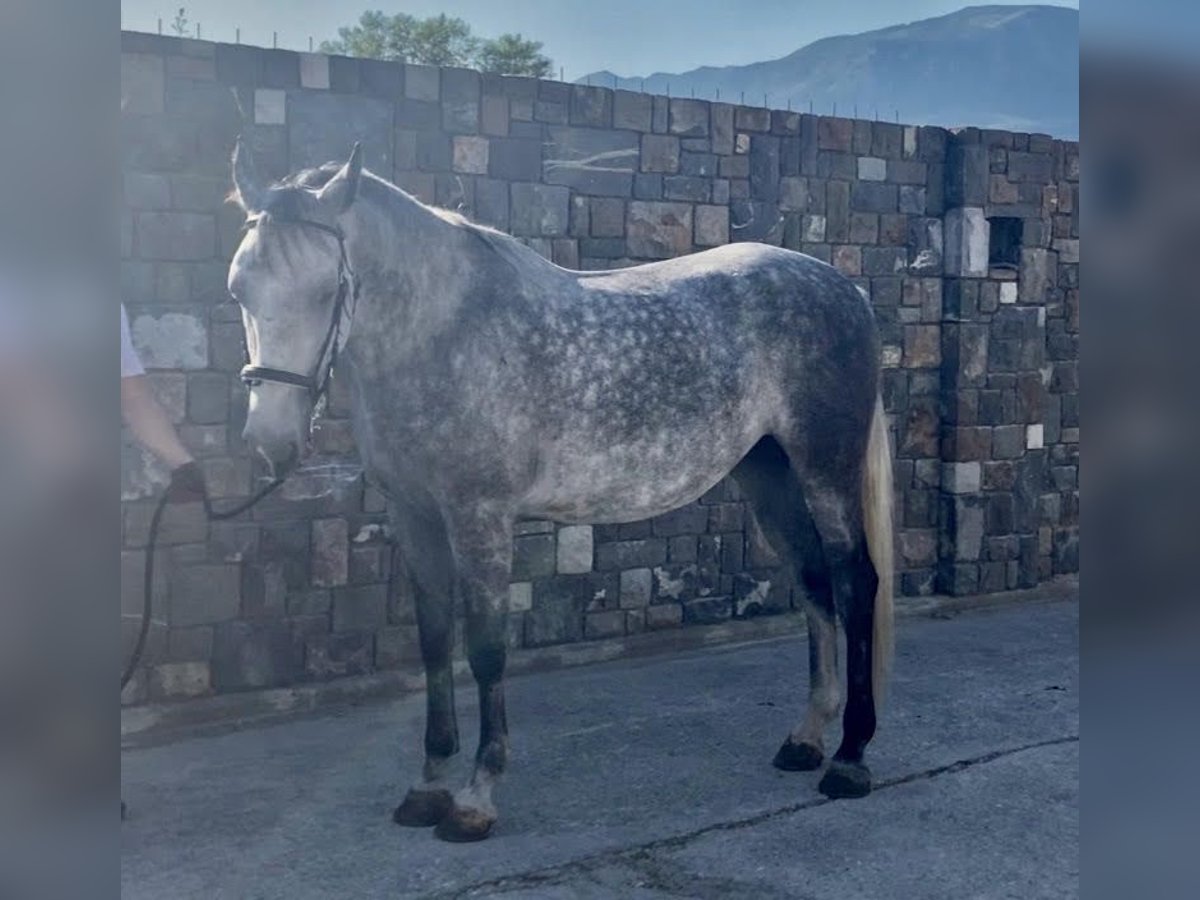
(339, 655)
(967, 171)
(631, 554)
(533, 557)
(515, 159)
(1008, 441)
(764, 167)
(701, 164)
(322, 126)
(874, 196)
(360, 607)
(559, 604)
(687, 187)
(837, 165)
(379, 78)
(690, 519)
(250, 655)
(344, 74)
(592, 106)
(491, 203)
(278, 69)
(707, 610)
(568, 155)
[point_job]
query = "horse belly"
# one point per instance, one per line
(633, 482)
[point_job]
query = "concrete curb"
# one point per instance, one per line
(152, 724)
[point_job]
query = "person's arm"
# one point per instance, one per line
(150, 423)
(152, 427)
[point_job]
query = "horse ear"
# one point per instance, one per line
(340, 191)
(246, 191)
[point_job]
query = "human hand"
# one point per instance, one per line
(187, 485)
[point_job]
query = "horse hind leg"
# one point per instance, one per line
(766, 477)
(848, 489)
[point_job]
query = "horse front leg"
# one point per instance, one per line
(484, 554)
(427, 562)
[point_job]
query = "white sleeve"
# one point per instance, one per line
(130, 364)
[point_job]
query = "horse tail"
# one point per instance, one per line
(877, 518)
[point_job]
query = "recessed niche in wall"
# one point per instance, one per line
(1004, 246)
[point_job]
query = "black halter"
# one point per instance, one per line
(347, 286)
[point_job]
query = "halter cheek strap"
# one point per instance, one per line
(316, 383)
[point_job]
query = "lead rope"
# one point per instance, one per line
(151, 547)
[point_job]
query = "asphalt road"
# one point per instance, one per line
(652, 779)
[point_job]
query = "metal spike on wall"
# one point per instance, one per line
(160, 26)
(237, 35)
(310, 42)
(274, 40)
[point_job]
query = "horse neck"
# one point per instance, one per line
(411, 268)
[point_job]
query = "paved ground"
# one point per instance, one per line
(652, 779)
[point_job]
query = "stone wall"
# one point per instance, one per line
(980, 360)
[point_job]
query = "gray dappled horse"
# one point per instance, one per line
(489, 385)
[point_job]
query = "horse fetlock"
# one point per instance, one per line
(845, 780)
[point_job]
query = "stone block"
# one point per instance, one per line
(339, 655)
(175, 235)
(793, 193)
(170, 341)
(922, 346)
(835, 134)
(707, 610)
(884, 260)
(397, 647)
(1038, 274)
(636, 586)
(558, 610)
(422, 83)
(539, 210)
(207, 398)
(534, 556)
(633, 111)
(180, 680)
(690, 519)
(470, 155)
(575, 549)
(360, 607)
(604, 624)
(712, 225)
(918, 547)
(686, 187)
(659, 153)
(688, 118)
(703, 165)
(907, 172)
(961, 477)
(872, 168)
(204, 594)
(142, 84)
(1008, 441)
(664, 615)
(864, 228)
(591, 106)
(658, 230)
(330, 552)
(630, 554)
(591, 160)
(323, 126)
(966, 237)
(873, 196)
(968, 170)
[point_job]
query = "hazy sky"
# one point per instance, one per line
(629, 37)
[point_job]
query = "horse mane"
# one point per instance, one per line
(287, 196)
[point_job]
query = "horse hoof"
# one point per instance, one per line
(463, 825)
(845, 780)
(800, 757)
(422, 809)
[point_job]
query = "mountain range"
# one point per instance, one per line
(1004, 67)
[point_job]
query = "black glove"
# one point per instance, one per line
(187, 485)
